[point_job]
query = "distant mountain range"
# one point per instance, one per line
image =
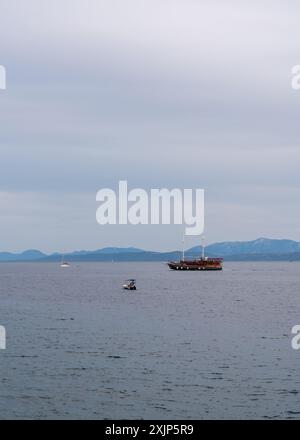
(30, 255)
(262, 249)
(259, 246)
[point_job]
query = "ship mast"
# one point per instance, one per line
(183, 247)
(203, 246)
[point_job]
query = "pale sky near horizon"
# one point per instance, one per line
(162, 93)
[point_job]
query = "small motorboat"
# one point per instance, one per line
(129, 285)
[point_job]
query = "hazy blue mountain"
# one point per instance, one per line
(118, 250)
(107, 250)
(29, 255)
(259, 246)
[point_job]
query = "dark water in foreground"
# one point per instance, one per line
(185, 345)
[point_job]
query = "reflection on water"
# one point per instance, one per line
(184, 345)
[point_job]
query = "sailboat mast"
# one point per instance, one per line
(183, 247)
(203, 247)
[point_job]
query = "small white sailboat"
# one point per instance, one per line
(64, 264)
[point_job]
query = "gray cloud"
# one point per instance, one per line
(163, 93)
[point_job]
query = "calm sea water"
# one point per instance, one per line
(186, 345)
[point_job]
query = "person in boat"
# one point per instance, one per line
(130, 285)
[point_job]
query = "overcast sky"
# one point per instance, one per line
(167, 93)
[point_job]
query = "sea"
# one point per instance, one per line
(185, 345)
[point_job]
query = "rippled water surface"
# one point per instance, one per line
(186, 345)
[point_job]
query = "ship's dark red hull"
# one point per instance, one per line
(201, 264)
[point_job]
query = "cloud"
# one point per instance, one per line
(163, 93)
